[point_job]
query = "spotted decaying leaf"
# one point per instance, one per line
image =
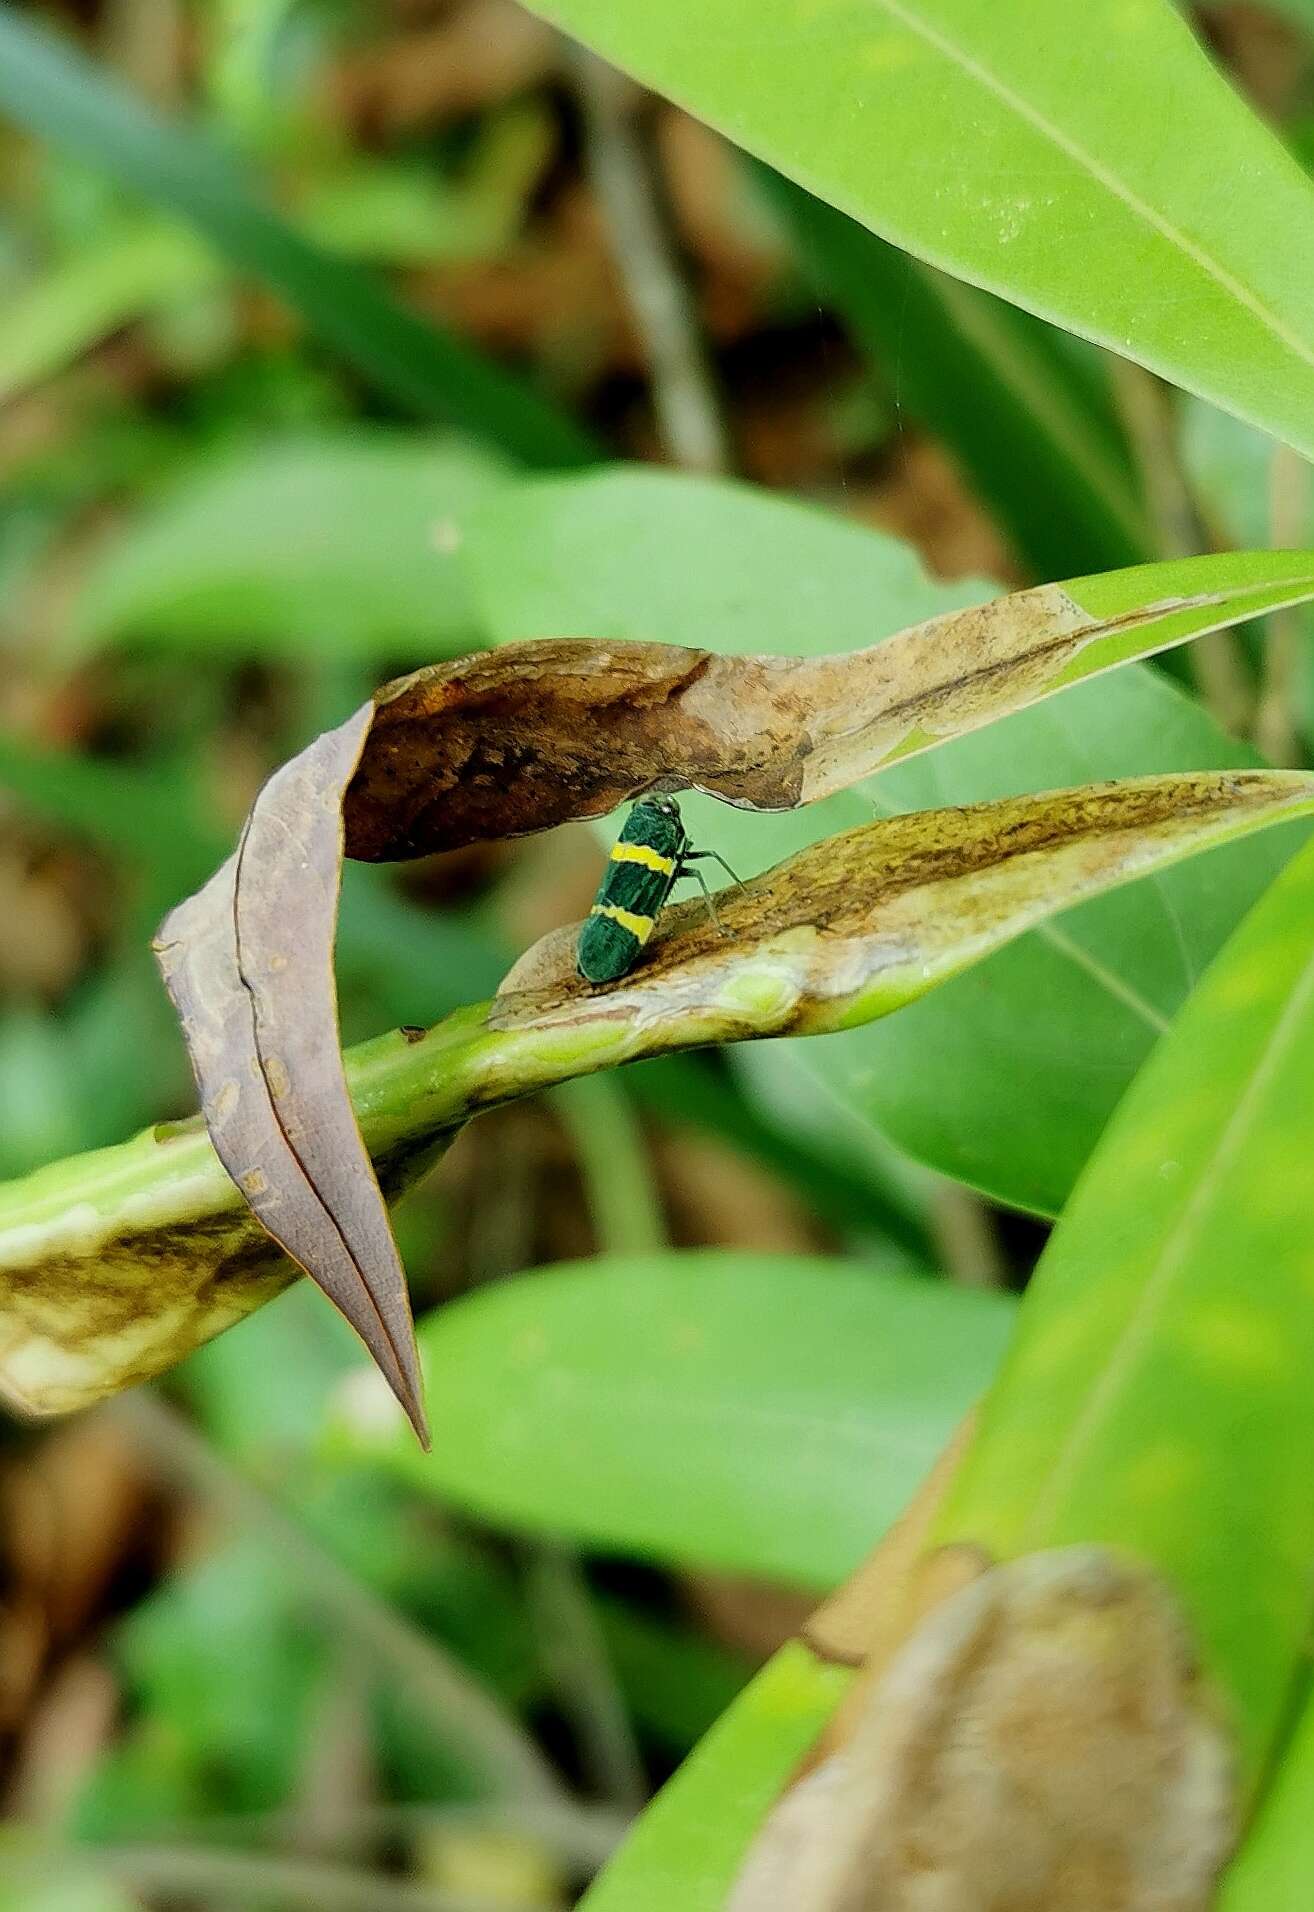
(865, 922)
(529, 736)
(1041, 1742)
(113, 1266)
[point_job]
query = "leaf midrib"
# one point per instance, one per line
(1014, 102)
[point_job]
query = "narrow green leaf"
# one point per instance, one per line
(141, 265)
(1030, 425)
(1158, 1395)
(141, 268)
(339, 544)
(761, 1414)
(49, 88)
(1006, 1078)
(1030, 162)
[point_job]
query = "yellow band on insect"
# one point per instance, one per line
(638, 926)
(643, 853)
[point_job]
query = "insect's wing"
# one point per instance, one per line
(638, 889)
(634, 887)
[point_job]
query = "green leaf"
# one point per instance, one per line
(1006, 1077)
(336, 544)
(1030, 162)
(142, 266)
(54, 92)
(1230, 467)
(1031, 424)
(1250, 490)
(1157, 1398)
(1276, 1863)
(682, 560)
(234, 1717)
(759, 1414)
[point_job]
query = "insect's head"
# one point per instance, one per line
(667, 805)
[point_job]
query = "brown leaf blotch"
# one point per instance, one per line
(1043, 1742)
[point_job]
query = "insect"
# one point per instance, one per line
(647, 860)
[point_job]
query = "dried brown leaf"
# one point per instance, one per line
(240, 959)
(1041, 1743)
(536, 734)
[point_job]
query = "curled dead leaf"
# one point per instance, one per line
(536, 734)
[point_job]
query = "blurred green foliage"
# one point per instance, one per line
(281, 333)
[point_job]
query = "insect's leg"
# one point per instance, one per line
(716, 857)
(700, 880)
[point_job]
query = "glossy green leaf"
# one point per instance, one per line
(1158, 1394)
(335, 545)
(1031, 162)
(1029, 421)
(1006, 1077)
(53, 91)
(681, 560)
(759, 1414)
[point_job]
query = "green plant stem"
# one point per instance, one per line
(615, 1163)
(1216, 661)
(689, 417)
(577, 1656)
(1276, 727)
(461, 1710)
